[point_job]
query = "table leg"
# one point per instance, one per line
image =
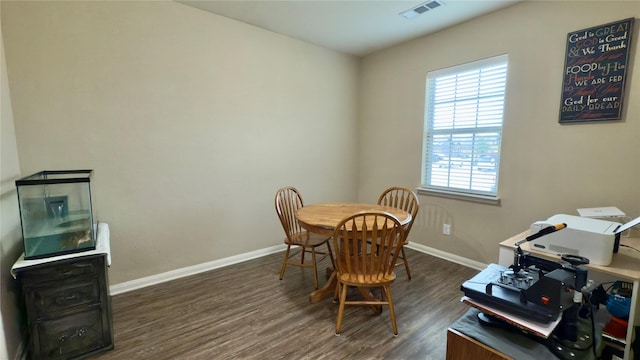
(368, 296)
(327, 290)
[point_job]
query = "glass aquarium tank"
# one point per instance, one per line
(56, 213)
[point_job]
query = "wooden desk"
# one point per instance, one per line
(468, 339)
(463, 347)
(625, 266)
(324, 217)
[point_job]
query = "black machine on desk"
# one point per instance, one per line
(535, 289)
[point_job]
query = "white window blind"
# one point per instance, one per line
(463, 127)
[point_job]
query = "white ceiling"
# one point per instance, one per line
(356, 27)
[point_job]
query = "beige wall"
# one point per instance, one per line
(191, 122)
(13, 323)
(546, 168)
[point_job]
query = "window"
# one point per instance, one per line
(463, 128)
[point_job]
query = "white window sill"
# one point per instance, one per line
(484, 199)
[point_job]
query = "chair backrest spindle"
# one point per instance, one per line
(368, 245)
(288, 200)
(401, 198)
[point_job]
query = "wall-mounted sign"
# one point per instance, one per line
(595, 72)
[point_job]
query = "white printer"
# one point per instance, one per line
(594, 239)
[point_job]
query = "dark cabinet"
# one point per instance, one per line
(68, 307)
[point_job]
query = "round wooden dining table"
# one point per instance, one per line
(322, 218)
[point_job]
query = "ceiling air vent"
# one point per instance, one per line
(421, 9)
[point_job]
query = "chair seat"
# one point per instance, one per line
(378, 279)
(305, 238)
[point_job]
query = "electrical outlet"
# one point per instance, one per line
(446, 229)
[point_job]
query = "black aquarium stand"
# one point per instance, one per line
(68, 305)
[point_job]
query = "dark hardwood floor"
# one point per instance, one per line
(244, 311)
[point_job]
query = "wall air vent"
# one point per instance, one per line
(421, 9)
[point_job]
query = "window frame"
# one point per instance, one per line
(428, 160)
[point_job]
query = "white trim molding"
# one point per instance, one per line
(447, 256)
(191, 270)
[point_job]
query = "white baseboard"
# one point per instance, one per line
(447, 256)
(196, 269)
(191, 270)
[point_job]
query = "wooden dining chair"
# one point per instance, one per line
(407, 200)
(288, 200)
(367, 246)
